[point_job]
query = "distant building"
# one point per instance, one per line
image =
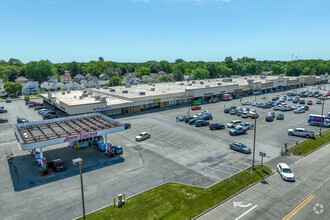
(104, 77)
(66, 78)
(53, 79)
(73, 86)
(22, 79)
(78, 78)
(3, 93)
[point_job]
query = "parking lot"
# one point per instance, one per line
(176, 151)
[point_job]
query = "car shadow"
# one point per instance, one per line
(25, 173)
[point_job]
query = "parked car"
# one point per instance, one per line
(142, 136)
(2, 107)
(200, 123)
(302, 102)
(213, 100)
(240, 147)
(186, 120)
(245, 125)
(118, 149)
(237, 130)
(323, 98)
(239, 112)
(282, 99)
(192, 121)
(246, 103)
(227, 110)
(35, 104)
(253, 115)
(318, 102)
(295, 101)
(40, 111)
(269, 118)
(280, 117)
(309, 102)
(48, 116)
(22, 120)
(3, 120)
(274, 98)
(285, 172)
(305, 107)
(244, 115)
(28, 102)
(299, 110)
(233, 107)
(127, 125)
(290, 98)
(3, 111)
(205, 117)
(233, 112)
(39, 107)
(216, 126)
(196, 102)
(57, 165)
(8, 100)
(302, 132)
(233, 123)
(48, 112)
(182, 117)
(26, 98)
(196, 107)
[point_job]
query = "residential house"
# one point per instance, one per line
(187, 77)
(78, 78)
(102, 83)
(3, 93)
(52, 86)
(104, 77)
(73, 86)
(31, 88)
(66, 78)
(92, 78)
(90, 84)
(22, 80)
(53, 79)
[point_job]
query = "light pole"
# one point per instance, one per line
(322, 115)
(188, 104)
(78, 161)
(254, 142)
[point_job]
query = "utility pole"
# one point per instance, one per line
(188, 100)
(254, 142)
(322, 115)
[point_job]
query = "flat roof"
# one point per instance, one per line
(55, 131)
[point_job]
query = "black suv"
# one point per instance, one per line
(3, 120)
(205, 117)
(200, 123)
(3, 110)
(187, 119)
(192, 121)
(22, 120)
(127, 125)
(215, 126)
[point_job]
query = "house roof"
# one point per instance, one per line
(65, 76)
(79, 76)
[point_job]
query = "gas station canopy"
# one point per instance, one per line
(45, 133)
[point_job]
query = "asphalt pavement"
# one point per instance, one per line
(307, 198)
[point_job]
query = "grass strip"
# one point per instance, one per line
(310, 144)
(178, 201)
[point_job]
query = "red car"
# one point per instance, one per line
(196, 107)
(309, 102)
(28, 103)
(328, 94)
(57, 165)
(35, 104)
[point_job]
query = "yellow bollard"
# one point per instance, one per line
(114, 201)
(124, 198)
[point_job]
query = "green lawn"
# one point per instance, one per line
(311, 144)
(177, 201)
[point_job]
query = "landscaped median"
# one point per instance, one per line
(178, 201)
(309, 145)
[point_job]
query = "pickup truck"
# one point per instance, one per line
(302, 132)
(319, 120)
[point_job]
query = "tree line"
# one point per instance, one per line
(41, 70)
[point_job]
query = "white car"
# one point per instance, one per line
(142, 136)
(285, 172)
(282, 99)
(233, 123)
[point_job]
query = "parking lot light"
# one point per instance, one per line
(254, 142)
(322, 115)
(78, 161)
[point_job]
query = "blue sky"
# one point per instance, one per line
(142, 30)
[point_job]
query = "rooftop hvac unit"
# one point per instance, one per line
(201, 82)
(181, 84)
(193, 81)
(112, 90)
(68, 92)
(150, 84)
(97, 87)
(152, 89)
(90, 93)
(97, 97)
(142, 93)
(74, 96)
(189, 84)
(85, 95)
(153, 85)
(125, 91)
(63, 93)
(207, 86)
(219, 84)
(81, 97)
(128, 86)
(84, 92)
(103, 99)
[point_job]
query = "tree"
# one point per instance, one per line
(200, 73)
(154, 66)
(101, 59)
(178, 76)
(74, 68)
(214, 69)
(229, 62)
(293, 70)
(179, 61)
(39, 71)
(277, 69)
(143, 71)
(115, 81)
(13, 87)
(94, 69)
(123, 69)
(15, 62)
(165, 65)
(164, 78)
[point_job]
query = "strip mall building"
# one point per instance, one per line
(131, 99)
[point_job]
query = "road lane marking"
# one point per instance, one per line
(238, 161)
(205, 174)
(300, 206)
(219, 170)
(175, 144)
(180, 148)
(199, 146)
(246, 212)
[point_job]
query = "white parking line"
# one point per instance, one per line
(246, 212)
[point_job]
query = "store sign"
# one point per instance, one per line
(238, 90)
(206, 94)
(80, 136)
(103, 108)
(151, 101)
(222, 92)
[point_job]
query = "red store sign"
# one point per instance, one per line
(80, 136)
(238, 90)
(205, 94)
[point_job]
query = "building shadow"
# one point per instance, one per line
(25, 173)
